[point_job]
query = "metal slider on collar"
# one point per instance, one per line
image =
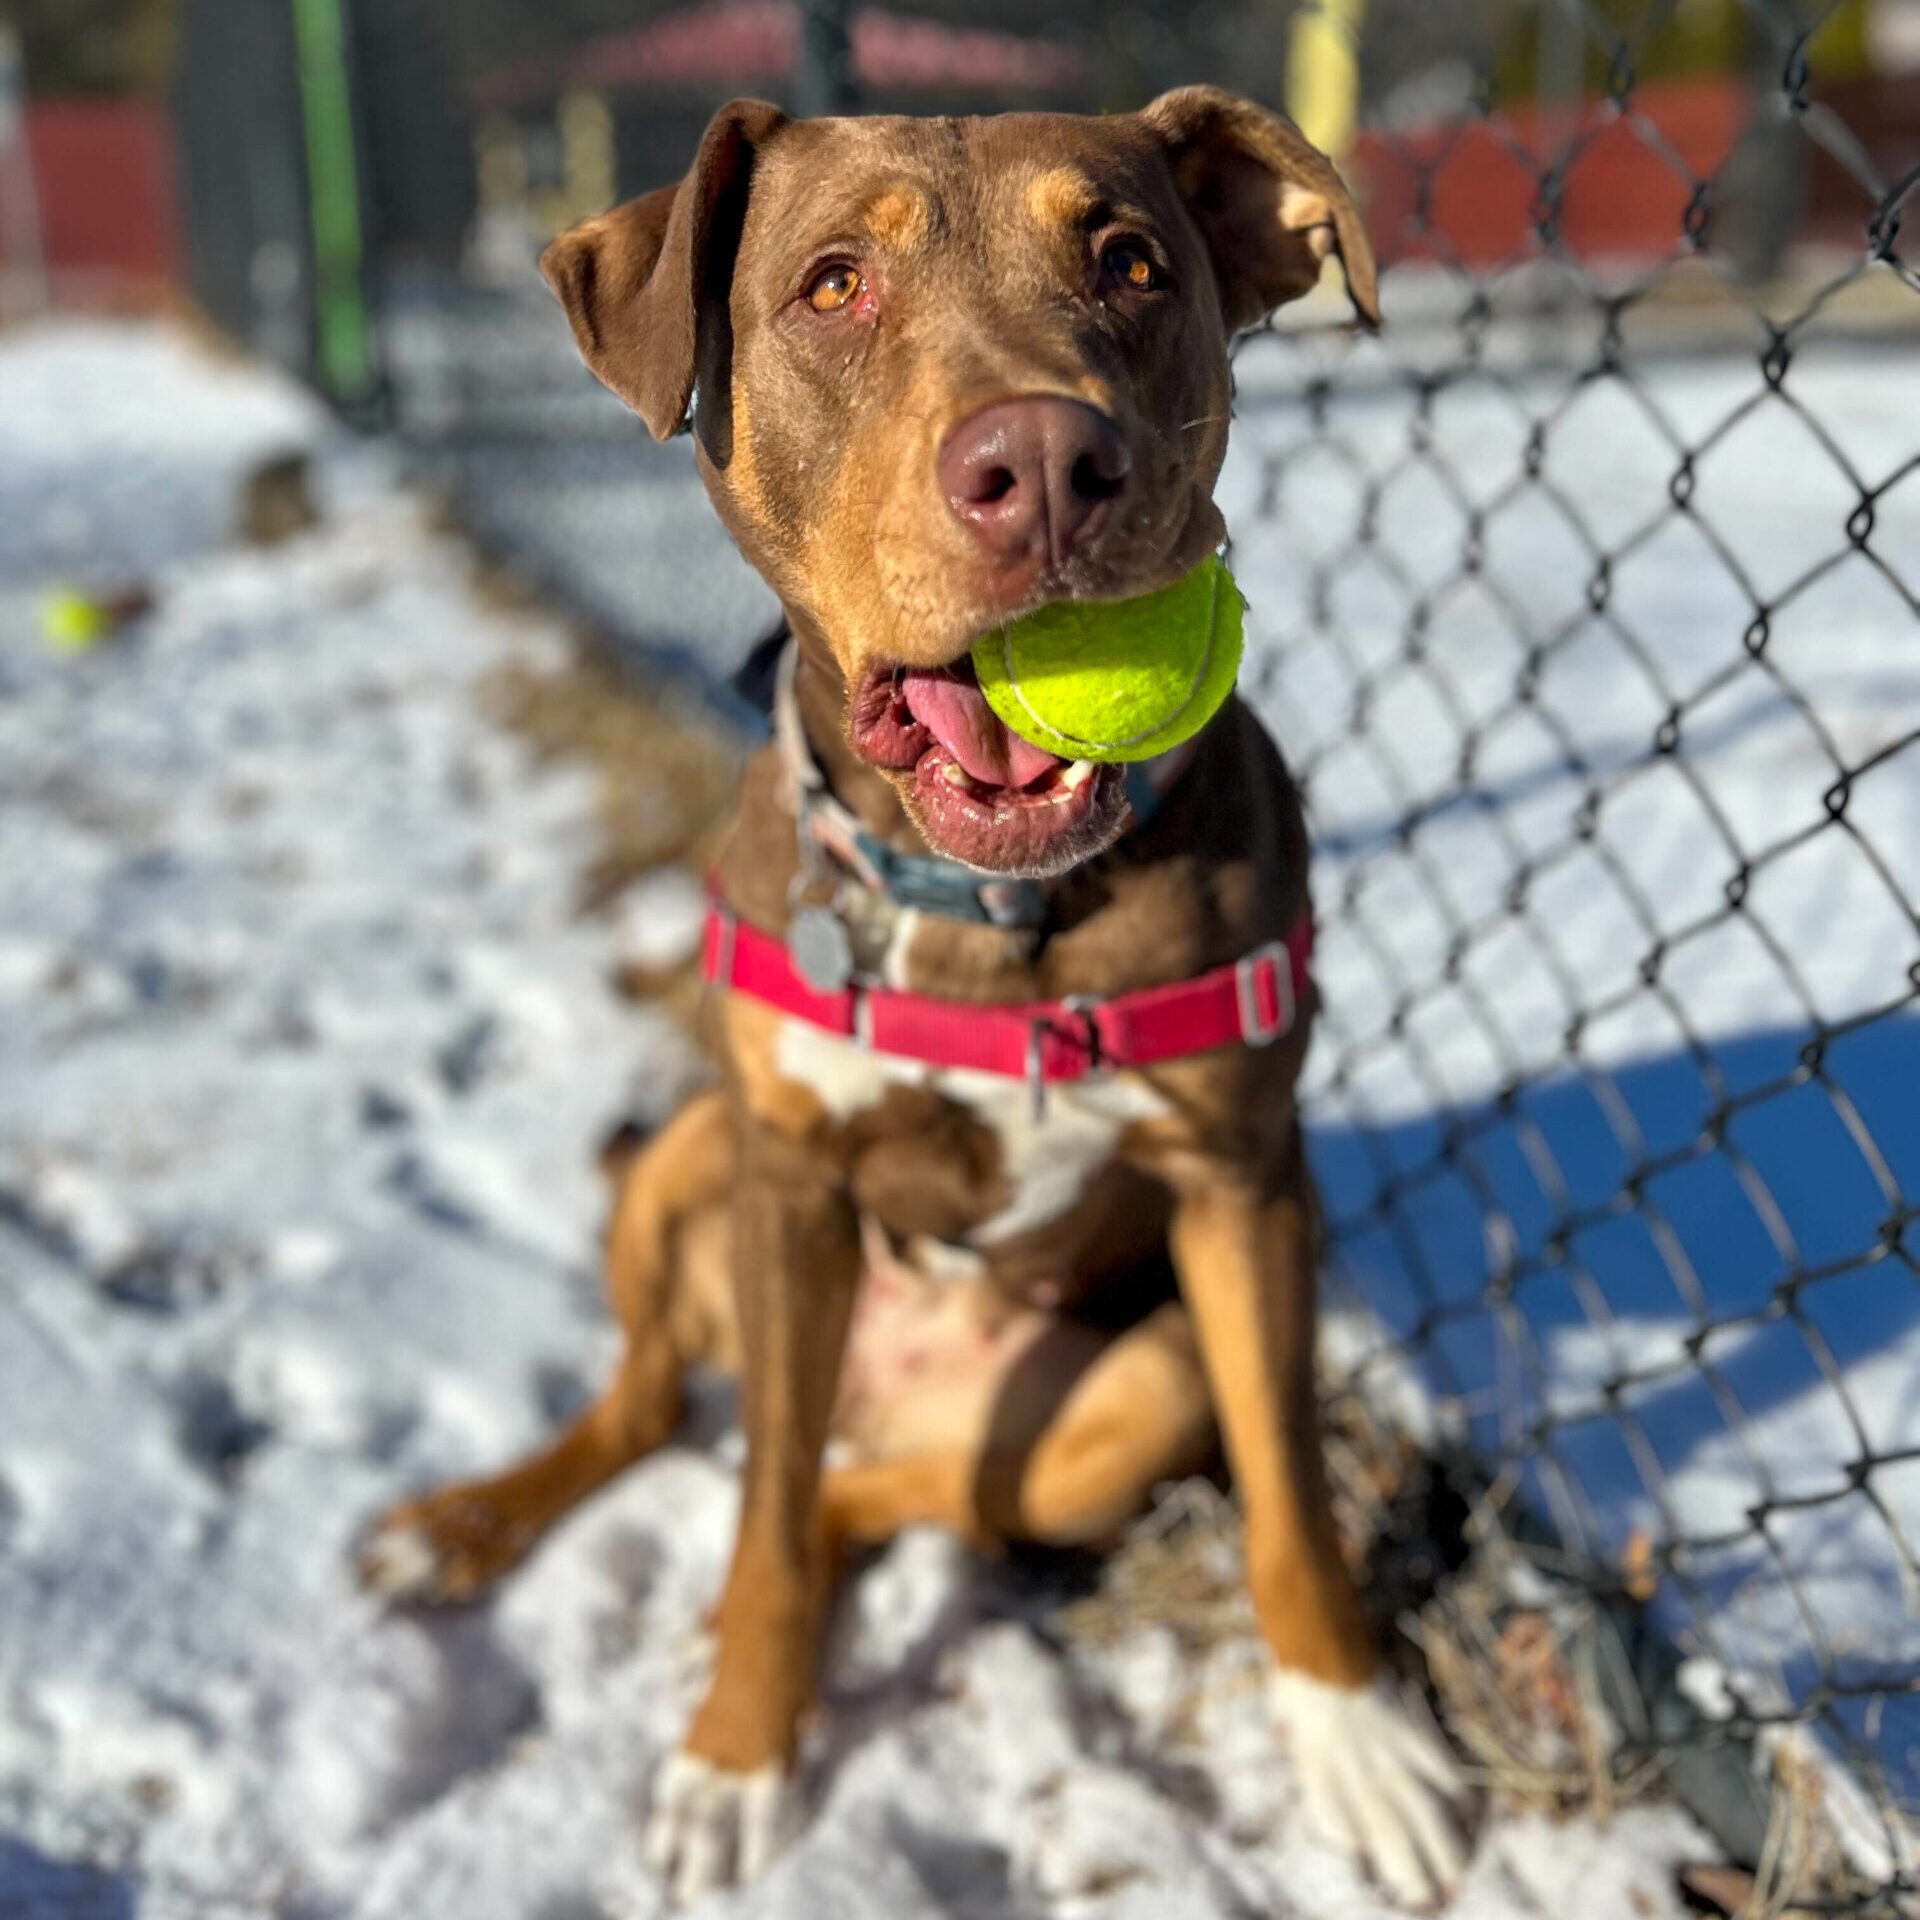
(722, 974)
(1255, 1030)
(1083, 1007)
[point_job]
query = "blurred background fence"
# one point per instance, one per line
(1583, 602)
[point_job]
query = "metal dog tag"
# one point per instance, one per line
(821, 950)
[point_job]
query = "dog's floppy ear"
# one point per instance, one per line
(646, 285)
(1269, 205)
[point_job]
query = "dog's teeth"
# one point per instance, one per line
(955, 775)
(1076, 774)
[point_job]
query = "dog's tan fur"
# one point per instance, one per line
(1044, 1391)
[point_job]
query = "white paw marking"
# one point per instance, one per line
(399, 1563)
(1380, 1783)
(710, 1830)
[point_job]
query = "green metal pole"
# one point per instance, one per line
(343, 337)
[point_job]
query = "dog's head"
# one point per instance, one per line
(943, 371)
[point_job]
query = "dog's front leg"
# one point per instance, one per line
(1378, 1781)
(726, 1804)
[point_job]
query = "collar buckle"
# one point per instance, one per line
(1079, 1027)
(726, 941)
(1255, 1030)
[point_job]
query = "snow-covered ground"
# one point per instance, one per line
(303, 1056)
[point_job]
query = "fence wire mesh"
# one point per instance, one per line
(1584, 605)
(1594, 647)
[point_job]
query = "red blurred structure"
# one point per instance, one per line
(1622, 193)
(726, 44)
(1629, 177)
(104, 182)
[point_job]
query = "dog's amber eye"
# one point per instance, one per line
(1129, 265)
(832, 287)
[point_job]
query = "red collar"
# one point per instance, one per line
(1253, 1001)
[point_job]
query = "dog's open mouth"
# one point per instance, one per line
(983, 794)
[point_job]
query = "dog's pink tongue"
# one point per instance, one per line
(957, 715)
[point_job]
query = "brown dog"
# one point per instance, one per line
(942, 372)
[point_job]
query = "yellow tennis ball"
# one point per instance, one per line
(71, 620)
(1117, 679)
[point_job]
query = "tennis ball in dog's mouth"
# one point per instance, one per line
(1117, 679)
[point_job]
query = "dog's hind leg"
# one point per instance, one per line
(448, 1545)
(1141, 1415)
(1138, 1415)
(865, 1503)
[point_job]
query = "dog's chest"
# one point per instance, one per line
(1047, 1156)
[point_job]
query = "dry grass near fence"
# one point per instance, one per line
(1802, 1871)
(664, 770)
(1511, 1652)
(1510, 1658)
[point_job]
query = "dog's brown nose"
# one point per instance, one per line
(1034, 477)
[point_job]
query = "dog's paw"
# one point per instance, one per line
(710, 1829)
(397, 1563)
(439, 1551)
(1380, 1783)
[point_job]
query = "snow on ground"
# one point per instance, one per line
(302, 1061)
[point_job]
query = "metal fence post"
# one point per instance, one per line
(345, 361)
(825, 83)
(21, 258)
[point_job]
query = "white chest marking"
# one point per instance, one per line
(893, 968)
(1047, 1161)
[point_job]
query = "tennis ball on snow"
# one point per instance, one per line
(1117, 679)
(71, 620)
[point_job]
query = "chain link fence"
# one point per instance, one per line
(1584, 604)
(1588, 614)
